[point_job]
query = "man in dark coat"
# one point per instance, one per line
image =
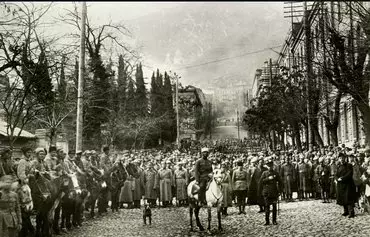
(270, 184)
(346, 189)
(203, 169)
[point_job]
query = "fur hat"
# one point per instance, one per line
(40, 149)
(204, 149)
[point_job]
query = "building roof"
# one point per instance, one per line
(24, 134)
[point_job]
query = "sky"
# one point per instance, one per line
(169, 51)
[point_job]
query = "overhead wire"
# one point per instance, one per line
(228, 58)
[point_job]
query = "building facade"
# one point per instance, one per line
(321, 17)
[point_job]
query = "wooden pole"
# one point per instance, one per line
(81, 71)
(306, 25)
(177, 114)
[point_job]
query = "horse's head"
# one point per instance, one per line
(217, 176)
(218, 180)
(24, 194)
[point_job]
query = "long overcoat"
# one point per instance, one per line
(346, 189)
(227, 189)
(181, 177)
(165, 185)
(151, 183)
(139, 186)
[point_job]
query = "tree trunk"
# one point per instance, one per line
(297, 136)
(333, 131)
(282, 143)
(317, 136)
(365, 118)
(293, 136)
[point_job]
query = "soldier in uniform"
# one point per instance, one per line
(181, 177)
(226, 184)
(333, 173)
(51, 159)
(288, 176)
(24, 166)
(203, 173)
(323, 172)
(240, 185)
(303, 172)
(270, 184)
(139, 185)
(151, 183)
(165, 184)
(6, 163)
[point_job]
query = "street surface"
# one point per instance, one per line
(298, 219)
(222, 132)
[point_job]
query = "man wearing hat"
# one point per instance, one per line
(181, 177)
(51, 159)
(24, 166)
(203, 172)
(165, 184)
(138, 184)
(240, 185)
(288, 175)
(6, 164)
(270, 184)
(323, 172)
(303, 173)
(105, 160)
(151, 184)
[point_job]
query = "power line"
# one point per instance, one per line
(228, 58)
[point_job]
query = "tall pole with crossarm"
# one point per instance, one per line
(177, 113)
(81, 72)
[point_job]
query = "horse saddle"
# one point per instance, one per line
(195, 188)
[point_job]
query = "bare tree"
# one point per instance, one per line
(22, 54)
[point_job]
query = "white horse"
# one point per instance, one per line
(214, 197)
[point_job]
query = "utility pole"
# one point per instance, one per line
(81, 72)
(237, 117)
(210, 121)
(177, 113)
(307, 30)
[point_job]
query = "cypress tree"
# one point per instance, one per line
(62, 84)
(130, 105)
(122, 85)
(160, 97)
(153, 96)
(140, 95)
(169, 128)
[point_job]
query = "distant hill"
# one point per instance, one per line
(200, 32)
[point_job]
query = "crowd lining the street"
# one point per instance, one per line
(161, 178)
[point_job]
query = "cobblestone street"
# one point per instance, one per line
(307, 218)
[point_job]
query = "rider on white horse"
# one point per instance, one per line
(203, 173)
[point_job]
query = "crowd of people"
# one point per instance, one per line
(161, 179)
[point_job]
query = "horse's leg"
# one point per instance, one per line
(38, 224)
(191, 216)
(92, 207)
(219, 217)
(209, 217)
(196, 212)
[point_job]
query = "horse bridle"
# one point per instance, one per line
(214, 194)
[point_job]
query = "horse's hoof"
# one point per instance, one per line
(201, 228)
(191, 229)
(209, 232)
